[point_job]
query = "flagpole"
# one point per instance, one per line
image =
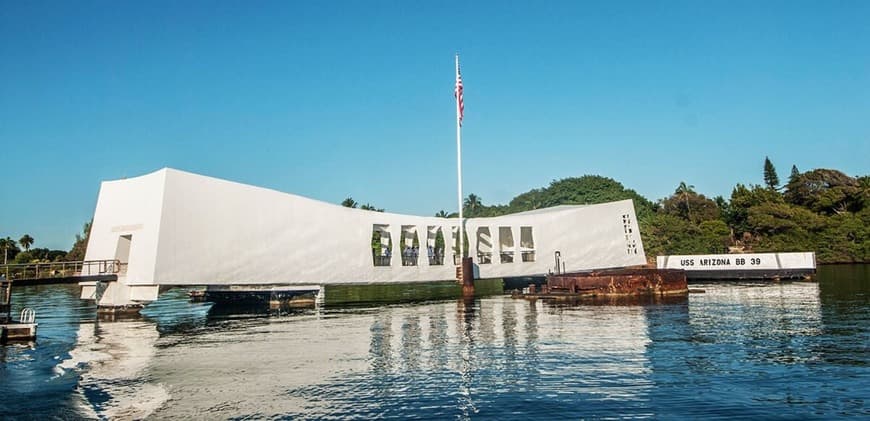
(459, 168)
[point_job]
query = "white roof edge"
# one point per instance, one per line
(166, 171)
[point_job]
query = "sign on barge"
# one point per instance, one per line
(742, 266)
(611, 283)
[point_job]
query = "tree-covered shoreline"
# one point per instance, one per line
(822, 210)
(11, 252)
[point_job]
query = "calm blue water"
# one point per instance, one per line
(739, 350)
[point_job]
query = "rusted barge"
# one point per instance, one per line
(634, 282)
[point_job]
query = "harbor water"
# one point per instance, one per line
(738, 350)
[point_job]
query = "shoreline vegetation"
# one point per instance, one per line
(822, 210)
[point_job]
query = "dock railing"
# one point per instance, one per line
(62, 269)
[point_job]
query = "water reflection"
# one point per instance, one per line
(112, 361)
(845, 320)
(484, 351)
(750, 350)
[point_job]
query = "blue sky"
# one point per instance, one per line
(336, 99)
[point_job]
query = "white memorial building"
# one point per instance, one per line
(173, 228)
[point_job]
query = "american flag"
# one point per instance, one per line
(458, 94)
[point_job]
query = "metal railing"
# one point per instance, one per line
(434, 260)
(506, 257)
(381, 260)
(28, 315)
(62, 269)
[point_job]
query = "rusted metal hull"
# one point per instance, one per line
(613, 283)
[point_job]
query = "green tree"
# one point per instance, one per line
(79, 248)
(684, 191)
(530, 200)
(669, 234)
(25, 257)
(716, 235)
(370, 207)
(724, 208)
(864, 185)
(826, 191)
(56, 255)
(7, 244)
(442, 214)
(794, 174)
(472, 205)
(585, 190)
(689, 205)
(770, 177)
(784, 227)
(353, 204)
(349, 203)
(26, 241)
(844, 238)
(742, 199)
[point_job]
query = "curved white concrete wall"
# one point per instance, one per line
(189, 229)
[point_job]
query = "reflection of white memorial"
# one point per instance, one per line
(175, 228)
(112, 358)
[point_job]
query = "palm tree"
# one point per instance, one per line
(683, 191)
(442, 214)
(6, 243)
(349, 203)
(370, 207)
(26, 241)
(472, 204)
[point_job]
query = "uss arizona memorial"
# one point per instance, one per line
(174, 228)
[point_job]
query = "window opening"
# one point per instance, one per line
(484, 246)
(506, 244)
(410, 245)
(527, 244)
(435, 246)
(382, 245)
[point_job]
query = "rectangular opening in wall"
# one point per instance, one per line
(527, 244)
(410, 243)
(506, 244)
(484, 246)
(435, 245)
(122, 252)
(381, 244)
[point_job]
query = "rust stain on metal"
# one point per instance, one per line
(614, 283)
